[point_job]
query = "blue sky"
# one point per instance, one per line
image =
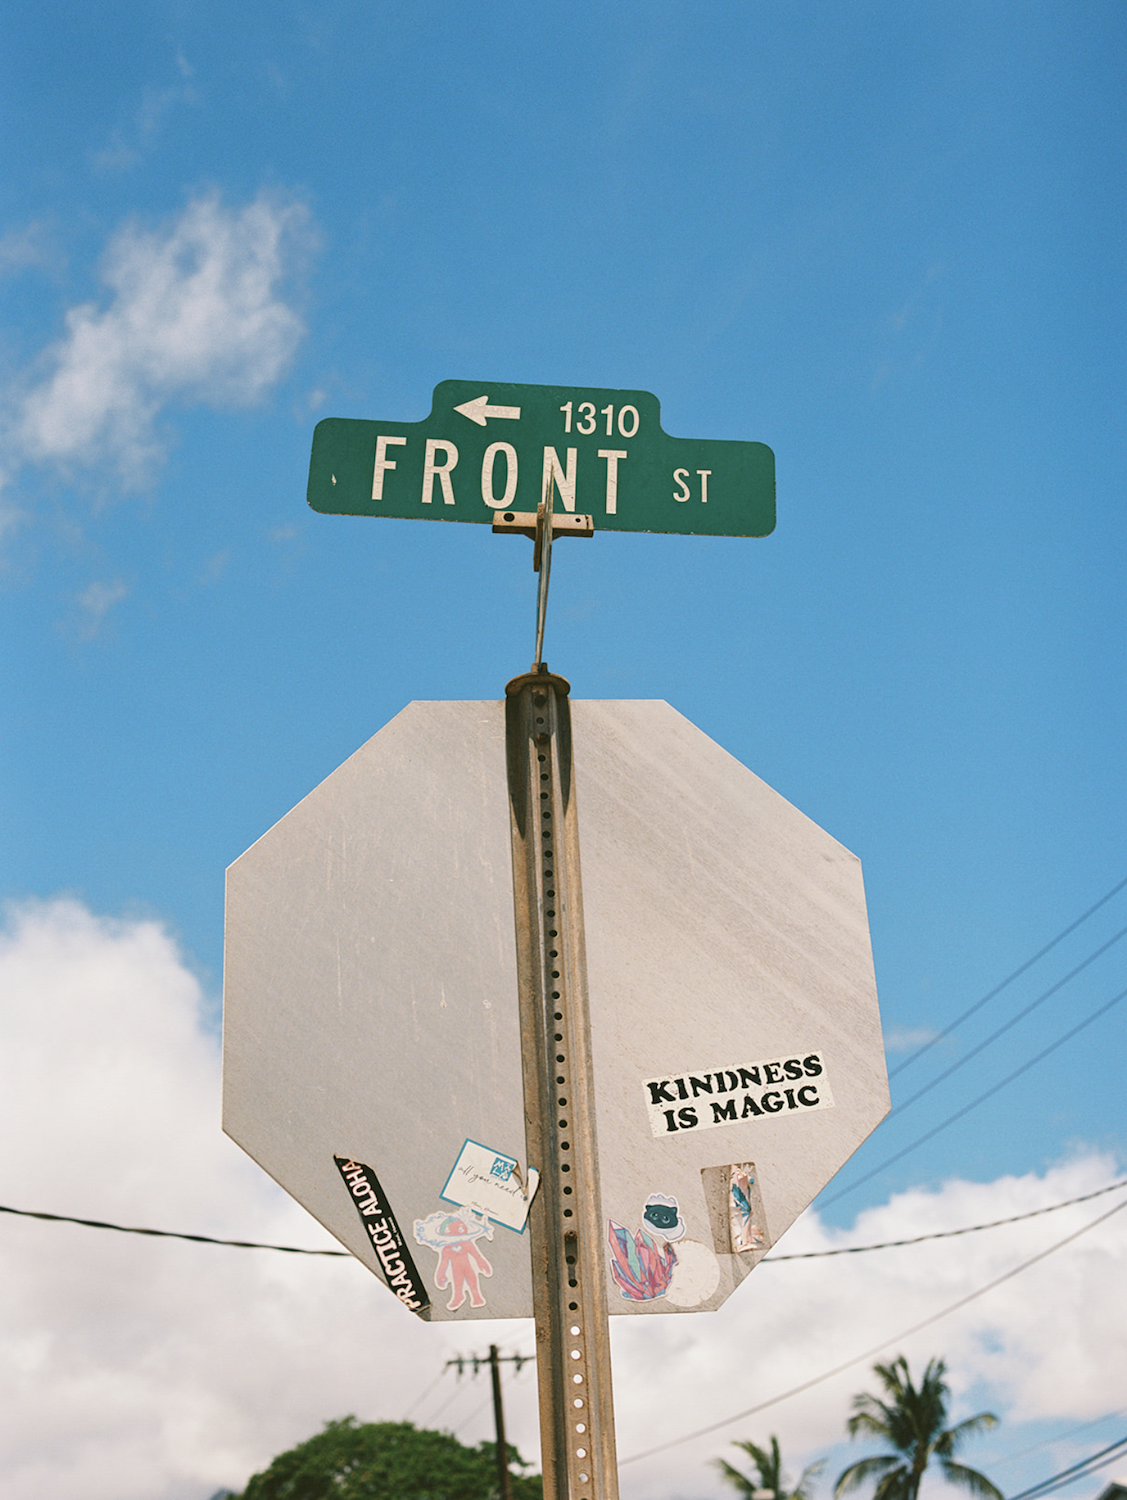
(884, 240)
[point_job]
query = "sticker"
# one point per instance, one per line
(695, 1276)
(745, 1209)
(387, 1238)
(702, 1101)
(737, 1213)
(460, 1262)
(658, 1261)
(642, 1266)
(492, 1184)
(663, 1216)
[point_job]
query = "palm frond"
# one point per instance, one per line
(768, 1466)
(896, 1485)
(870, 1416)
(801, 1490)
(864, 1469)
(950, 1441)
(970, 1480)
(910, 1420)
(734, 1477)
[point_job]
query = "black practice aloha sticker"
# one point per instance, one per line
(387, 1239)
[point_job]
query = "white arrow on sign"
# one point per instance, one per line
(479, 410)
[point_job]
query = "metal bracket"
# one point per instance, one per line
(543, 527)
(526, 523)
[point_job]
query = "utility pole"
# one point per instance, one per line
(499, 1421)
(495, 1361)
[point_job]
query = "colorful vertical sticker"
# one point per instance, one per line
(387, 1239)
(745, 1209)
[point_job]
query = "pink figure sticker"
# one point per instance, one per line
(452, 1237)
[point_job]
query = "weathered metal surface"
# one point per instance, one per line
(565, 1223)
(725, 932)
(371, 998)
(370, 987)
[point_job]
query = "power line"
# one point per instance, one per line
(896, 1338)
(457, 1391)
(418, 1401)
(165, 1234)
(998, 988)
(1050, 1442)
(946, 1234)
(750, 1411)
(966, 1109)
(204, 1239)
(1021, 1015)
(472, 1416)
(1079, 1470)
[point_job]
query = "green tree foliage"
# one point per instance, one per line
(768, 1466)
(911, 1421)
(353, 1460)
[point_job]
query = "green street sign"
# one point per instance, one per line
(486, 449)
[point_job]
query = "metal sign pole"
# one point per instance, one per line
(568, 1278)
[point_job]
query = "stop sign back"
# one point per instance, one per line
(371, 1039)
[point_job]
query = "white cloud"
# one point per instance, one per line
(135, 1367)
(1034, 1348)
(12, 516)
(196, 314)
(908, 1039)
(215, 567)
(31, 246)
(95, 601)
(129, 143)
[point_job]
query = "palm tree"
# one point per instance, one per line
(769, 1470)
(911, 1421)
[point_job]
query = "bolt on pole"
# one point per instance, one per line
(578, 1458)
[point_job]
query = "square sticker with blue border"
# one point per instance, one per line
(493, 1184)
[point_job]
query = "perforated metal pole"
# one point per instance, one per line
(568, 1278)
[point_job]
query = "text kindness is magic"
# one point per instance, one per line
(701, 1101)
